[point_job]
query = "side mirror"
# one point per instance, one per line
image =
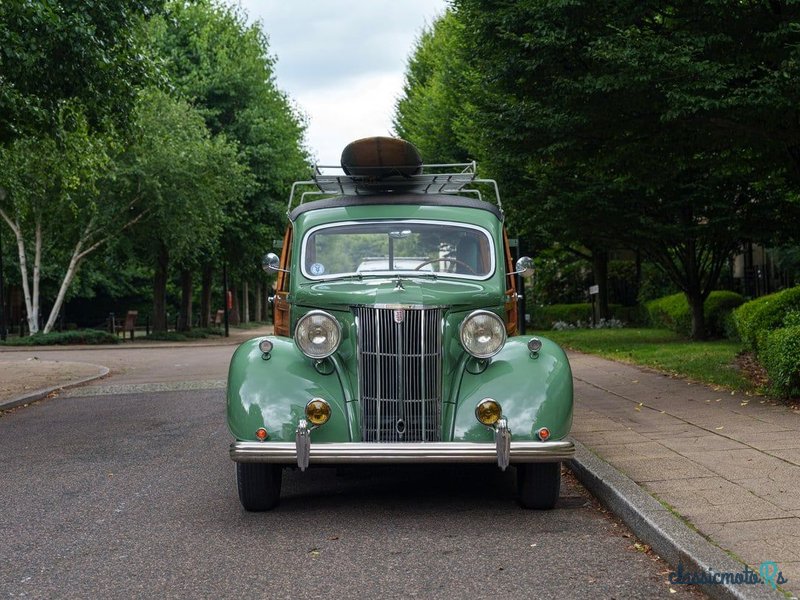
(271, 263)
(524, 266)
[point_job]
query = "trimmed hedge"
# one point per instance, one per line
(755, 319)
(64, 338)
(780, 356)
(672, 312)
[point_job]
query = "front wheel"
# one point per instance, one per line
(259, 485)
(538, 484)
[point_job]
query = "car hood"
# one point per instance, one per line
(411, 291)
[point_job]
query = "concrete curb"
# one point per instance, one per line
(669, 537)
(44, 392)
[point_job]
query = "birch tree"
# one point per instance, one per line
(54, 198)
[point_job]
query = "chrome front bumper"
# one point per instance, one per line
(396, 453)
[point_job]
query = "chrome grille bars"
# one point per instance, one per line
(399, 373)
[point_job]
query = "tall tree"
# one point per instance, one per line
(223, 66)
(432, 103)
(53, 197)
(184, 179)
(626, 119)
(69, 72)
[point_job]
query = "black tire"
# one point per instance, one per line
(259, 485)
(538, 484)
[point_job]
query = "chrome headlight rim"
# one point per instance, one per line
(501, 329)
(335, 330)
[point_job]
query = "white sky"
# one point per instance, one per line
(342, 62)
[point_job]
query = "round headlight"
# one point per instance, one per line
(318, 334)
(483, 334)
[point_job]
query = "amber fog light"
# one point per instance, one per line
(488, 411)
(261, 433)
(318, 411)
(543, 434)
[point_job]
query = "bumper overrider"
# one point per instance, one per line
(303, 453)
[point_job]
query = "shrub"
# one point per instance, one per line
(64, 338)
(672, 312)
(755, 319)
(717, 310)
(780, 356)
(183, 336)
(545, 317)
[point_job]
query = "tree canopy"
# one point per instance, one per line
(667, 128)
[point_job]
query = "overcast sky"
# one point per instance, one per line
(342, 61)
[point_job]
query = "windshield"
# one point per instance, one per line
(411, 247)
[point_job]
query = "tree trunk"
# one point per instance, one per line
(160, 290)
(205, 295)
(33, 324)
(600, 273)
(696, 302)
(33, 319)
(259, 302)
(72, 269)
(245, 302)
(185, 323)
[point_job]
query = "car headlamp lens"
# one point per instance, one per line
(483, 334)
(488, 411)
(318, 411)
(317, 334)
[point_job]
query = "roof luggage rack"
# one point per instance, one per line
(431, 179)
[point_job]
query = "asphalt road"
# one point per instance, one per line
(134, 496)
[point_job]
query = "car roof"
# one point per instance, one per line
(389, 199)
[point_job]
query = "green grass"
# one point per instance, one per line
(708, 362)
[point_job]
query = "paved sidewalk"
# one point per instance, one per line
(727, 463)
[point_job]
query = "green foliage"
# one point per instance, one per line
(86, 53)
(673, 312)
(614, 124)
(755, 319)
(64, 338)
(429, 108)
(780, 356)
(184, 336)
(544, 317)
(183, 177)
(223, 66)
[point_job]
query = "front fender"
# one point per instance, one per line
(534, 390)
(273, 393)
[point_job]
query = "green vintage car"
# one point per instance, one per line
(396, 336)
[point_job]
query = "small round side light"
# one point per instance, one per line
(488, 411)
(534, 345)
(543, 433)
(318, 411)
(265, 346)
(261, 434)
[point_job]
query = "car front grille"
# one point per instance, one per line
(400, 373)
